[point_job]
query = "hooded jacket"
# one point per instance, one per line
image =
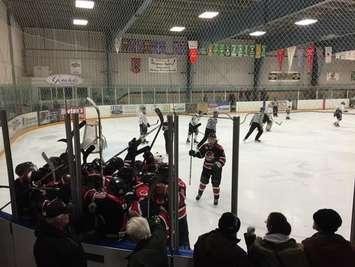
(218, 249)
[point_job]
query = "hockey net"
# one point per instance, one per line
(91, 137)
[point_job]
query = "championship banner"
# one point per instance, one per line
(251, 51)
(227, 51)
(135, 65)
(300, 58)
(263, 51)
(162, 65)
(280, 57)
(75, 67)
(290, 55)
(258, 51)
(210, 50)
(353, 76)
(246, 51)
(310, 57)
(278, 76)
(193, 51)
(221, 48)
(215, 49)
(240, 50)
(234, 51)
(328, 54)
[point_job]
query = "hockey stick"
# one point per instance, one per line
(81, 125)
(190, 174)
(50, 164)
(161, 118)
(7, 204)
(157, 122)
(245, 118)
(145, 135)
(100, 137)
(87, 152)
(4, 186)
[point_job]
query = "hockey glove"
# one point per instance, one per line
(148, 125)
(192, 153)
(218, 165)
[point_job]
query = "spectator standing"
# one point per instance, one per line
(276, 248)
(220, 247)
(326, 248)
(151, 243)
(55, 246)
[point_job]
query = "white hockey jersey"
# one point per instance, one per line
(142, 119)
(195, 119)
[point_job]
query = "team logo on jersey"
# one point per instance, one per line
(135, 65)
(209, 155)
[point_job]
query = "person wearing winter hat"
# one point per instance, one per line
(276, 248)
(326, 248)
(54, 245)
(220, 247)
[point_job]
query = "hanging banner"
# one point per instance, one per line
(240, 51)
(215, 49)
(300, 58)
(353, 76)
(210, 50)
(193, 51)
(221, 48)
(290, 55)
(333, 76)
(251, 51)
(162, 65)
(280, 57)
(258, 51)
(328, 54)
(263, 51)
(310, 56)
(75, 67)
(227, 51)
(246, 51)
(135, 65)
(234, 51)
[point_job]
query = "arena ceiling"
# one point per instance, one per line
(236, 19)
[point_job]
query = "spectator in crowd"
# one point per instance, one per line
(219, 247)
(326, 248)
(151, 242)
(276, 248)
(55, 246)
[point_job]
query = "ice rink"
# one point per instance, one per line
(301, 166)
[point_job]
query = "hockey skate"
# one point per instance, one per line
(187, 141)
(257, 141)
(215, 201)
(336, 124)
(198, 197)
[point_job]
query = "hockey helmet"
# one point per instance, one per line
(118, 186)
(24, 168)
(113, 165)
(212, 135)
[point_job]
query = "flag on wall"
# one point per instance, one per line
(280, 57)
(290, 55)
(328, 54)
(258, 51)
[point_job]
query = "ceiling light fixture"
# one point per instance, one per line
(177, 29)
(84, 4)
(257, 33)
(306, 22)
(81, 22)
(208, 15)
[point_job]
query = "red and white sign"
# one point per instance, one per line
(193, 52)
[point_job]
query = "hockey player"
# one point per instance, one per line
(210, 128)
(288, 108)
(339, 115)
(143, 124)
(212, 167)
(193, 127)
(256, 122)
(275, 107)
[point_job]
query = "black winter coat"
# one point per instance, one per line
(151, 252)
(54, 248)
(216, 249)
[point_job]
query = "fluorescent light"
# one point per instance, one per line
(84, 4)
(81, 22)
(257, 33)
(177, 29)
(208, 15)
(306, 22)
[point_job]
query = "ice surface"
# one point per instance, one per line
(301, 166)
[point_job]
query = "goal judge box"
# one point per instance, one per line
(91, 137)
